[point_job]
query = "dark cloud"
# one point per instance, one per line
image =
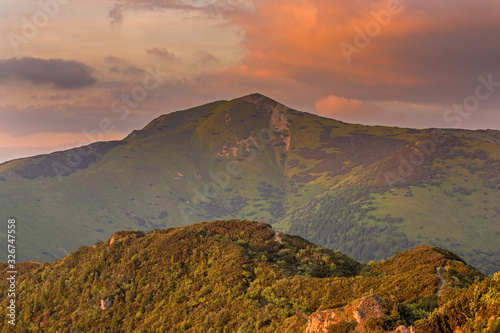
(61, 74)
(133, 70)
(119, 65)
(162, 53)
(127, 70)
(116, 14)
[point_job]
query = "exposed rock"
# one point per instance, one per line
(126, 236)
(321, 321)
(358, 312)
(45, 320)
(106, 303)
(277, 238)
(367, 308)
(403, 329)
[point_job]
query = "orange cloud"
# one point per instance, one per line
(286, 39)
(332, 106)
(420, 46)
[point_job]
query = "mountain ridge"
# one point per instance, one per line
(236, 275)
(255, 158)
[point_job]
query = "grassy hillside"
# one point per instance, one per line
(234, 276)
(369, 191)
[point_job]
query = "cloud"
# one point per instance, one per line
(53, 97)
(332, 106)
(61, 74)
(203, 57)
(430, 52)
(353, 110)
(162, 53)
(113, 60)
(119, 65)
(116, 14)
(218, 6)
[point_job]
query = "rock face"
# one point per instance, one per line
(366, 308)
(403, 329)
(125, 236)
(106, 303)
(358, 313)
(320, 321)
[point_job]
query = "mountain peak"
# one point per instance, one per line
(254, 95)
(258, 98)
(253, 157)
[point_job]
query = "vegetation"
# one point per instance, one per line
(475, 309)
(239, 276)
(335, 220)
(369, 191)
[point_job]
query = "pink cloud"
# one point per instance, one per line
(333, 106)
(162, 53)
(204, 57)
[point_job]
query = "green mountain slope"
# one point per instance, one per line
(367, 190)
(235, 276)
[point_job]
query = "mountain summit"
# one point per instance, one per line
(369, 191)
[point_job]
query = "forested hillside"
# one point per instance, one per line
(240, 276)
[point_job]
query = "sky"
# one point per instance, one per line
(74, 72)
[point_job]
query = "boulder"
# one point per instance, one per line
(358, 312)
(320, 321)
(367, 308)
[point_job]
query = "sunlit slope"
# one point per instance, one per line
(239, 275)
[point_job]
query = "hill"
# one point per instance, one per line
(368, 191)
(229, 276)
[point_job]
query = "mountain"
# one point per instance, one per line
(243, 276)
(368, 191)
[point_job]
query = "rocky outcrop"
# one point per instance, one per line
(367, 308)
(404, 329)
(45, 319)
(320, 321)
(106, 303)
(357, 313)
(125, 236)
